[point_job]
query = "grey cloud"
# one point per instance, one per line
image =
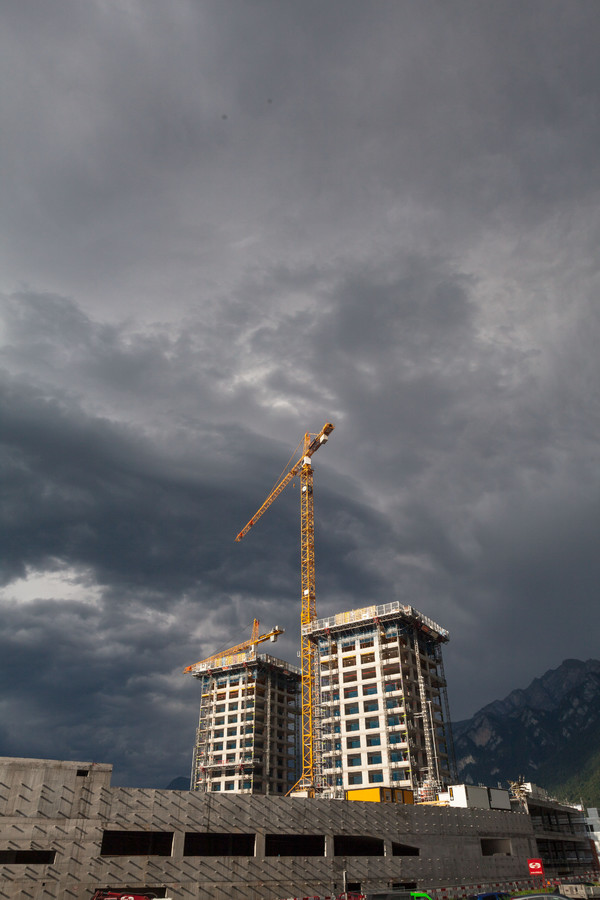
(395, 229)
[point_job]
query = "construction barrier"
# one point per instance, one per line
(462, 891)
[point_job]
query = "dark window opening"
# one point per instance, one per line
(404, 850)
(144, 890)
(496, 847)
(220, 844)
(83, 773)
(137, 843)
(357, 845)
(28, 857)
(294, 845)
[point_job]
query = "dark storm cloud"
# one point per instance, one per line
(225, 225)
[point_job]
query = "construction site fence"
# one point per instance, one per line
(462, 891)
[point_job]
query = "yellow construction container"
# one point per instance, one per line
(380, 795)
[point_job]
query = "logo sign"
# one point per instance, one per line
(535, 866)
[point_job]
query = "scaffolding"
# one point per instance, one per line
(389, 659)
(247, 739)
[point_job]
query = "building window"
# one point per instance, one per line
(27, 857)
(367, 658)
(393, 720)
(396, 738)
(351, 709)
(376, 776)
(392, 702)
(372, 723)
(220, 721)
(294, 845)
(352, 725)
(496, 847)
(354, 778)
(349, 676)
(348, 645)
(398, 756)
(353, 743)
(367, 642)
(231, 745)
(357, 845)
(136, 843)
(369, 689)
(371, 705)
(229, 785)
(374, 759)
(368, 673)
(348, 662)
(354, 759)
(373, 740)
(231, 731)
(218, 844)
(350, 692)
(216, 786)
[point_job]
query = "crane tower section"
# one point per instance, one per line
(309, 781)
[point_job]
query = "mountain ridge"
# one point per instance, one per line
(547, 733)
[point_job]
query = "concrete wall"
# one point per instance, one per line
(46, 805)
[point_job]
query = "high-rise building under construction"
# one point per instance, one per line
(384, 717)
(248, 732)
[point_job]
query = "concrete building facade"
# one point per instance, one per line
(247, 739)
(65, 833)
(384, 717)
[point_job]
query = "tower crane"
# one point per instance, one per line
(225, 657)
(303, 466)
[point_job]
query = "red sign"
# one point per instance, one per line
(535, 866)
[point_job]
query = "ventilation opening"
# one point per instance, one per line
(83, 773)
(137, 843)
(28, 857)
(496, 847)
(294, 845)
(210, 844)
(107, 892)
(357, 845)
(404, 850)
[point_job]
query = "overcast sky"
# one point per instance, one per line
(227, 222)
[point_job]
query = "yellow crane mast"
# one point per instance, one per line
(303, 466)
(225, 657)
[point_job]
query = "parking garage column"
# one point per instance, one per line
(259, 846)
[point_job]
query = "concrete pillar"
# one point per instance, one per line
(259, 846)
(329, 846)
(178, 839)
